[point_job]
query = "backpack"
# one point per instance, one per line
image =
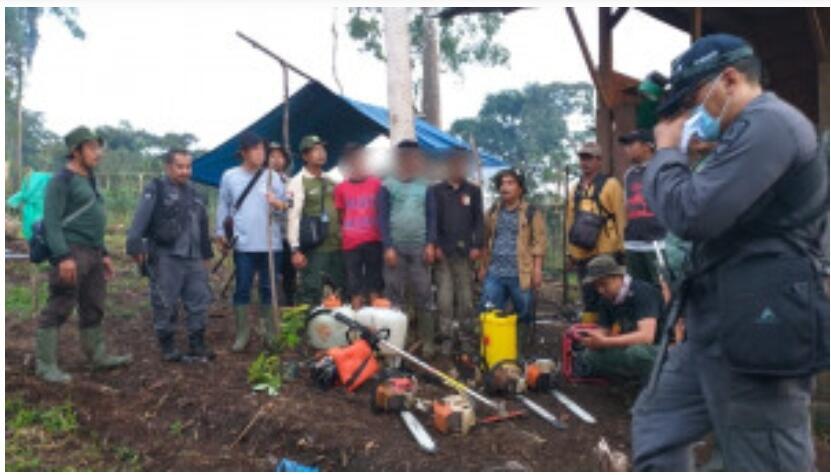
(587, 225)
(38, 245)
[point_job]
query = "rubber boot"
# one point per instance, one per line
(46, 356)
(199, 351)
(243, 331)
(167, 343)
(269, 329)
(92, 342)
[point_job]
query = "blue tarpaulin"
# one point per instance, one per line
(314, 109)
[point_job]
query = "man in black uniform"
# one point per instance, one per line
(169, 238)
(755, 312)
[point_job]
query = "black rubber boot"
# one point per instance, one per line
(167, 343)
(199, 351)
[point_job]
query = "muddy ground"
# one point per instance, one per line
(188, 417)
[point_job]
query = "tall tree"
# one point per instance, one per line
(529, 128)
(399, 75)
(459, 41)
(22, 38)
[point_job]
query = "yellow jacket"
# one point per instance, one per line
(610, 239)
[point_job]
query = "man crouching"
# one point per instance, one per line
(623, 346)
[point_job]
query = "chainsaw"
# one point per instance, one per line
(395, 392)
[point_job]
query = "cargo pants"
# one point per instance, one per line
(632, 362)
(88, 293)
(411, 278)
(454, 279)
(760, 423)
(174, 279)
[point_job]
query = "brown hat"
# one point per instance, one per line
(590, 149)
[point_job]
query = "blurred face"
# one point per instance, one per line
(457, 168)
(179, 169)
(315, 156)
(608, 287)
(509, 189)
(356, 165)
(637, 152)
(89, 154)
(277, 160)
(589, 164)
(410, 164)
(254, 156)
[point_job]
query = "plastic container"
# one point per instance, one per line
(498, 337)
(323, 331)
(391, 324)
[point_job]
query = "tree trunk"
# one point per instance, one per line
(18, 139)
(399, 75)
(431, 95)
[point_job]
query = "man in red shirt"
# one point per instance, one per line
(355, 199)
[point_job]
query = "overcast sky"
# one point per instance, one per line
(181, 68)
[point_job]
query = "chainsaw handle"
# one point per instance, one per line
(367, 334)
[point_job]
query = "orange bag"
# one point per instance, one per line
(355, 363)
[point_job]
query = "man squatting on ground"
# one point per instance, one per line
(169, 239)
(81, 265)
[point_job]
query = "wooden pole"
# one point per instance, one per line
(565, 239)
(587, 56)
(695, 26)
(605, 114)
(275, 56)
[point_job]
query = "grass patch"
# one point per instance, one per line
(50, 439)
(19, 299)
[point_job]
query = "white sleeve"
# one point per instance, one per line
(295, 187)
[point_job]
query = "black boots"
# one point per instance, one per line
(167, 343)
(199, 351)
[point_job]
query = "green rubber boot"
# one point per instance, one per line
(243, 331)
(46, 357)
(269, 329)
(92, 342)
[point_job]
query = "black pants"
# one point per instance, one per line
(289, 274)
(364, 266)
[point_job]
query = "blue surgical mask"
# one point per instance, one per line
(702, 124)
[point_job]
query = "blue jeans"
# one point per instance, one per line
(497, 290)
(246, 264)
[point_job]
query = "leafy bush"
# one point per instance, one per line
(264, 374)
(291, 327)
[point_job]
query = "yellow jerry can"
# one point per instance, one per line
(498, 337)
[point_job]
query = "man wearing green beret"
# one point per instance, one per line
(74, 221)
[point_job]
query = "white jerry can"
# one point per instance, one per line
(323, 331)
(390, 323)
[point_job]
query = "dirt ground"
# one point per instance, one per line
(187, 417)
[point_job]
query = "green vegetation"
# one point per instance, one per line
(264, 374)
(19, 299)
(291, 327)
(176, 427)
(50, 439)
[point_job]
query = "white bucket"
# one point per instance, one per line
(391, 324)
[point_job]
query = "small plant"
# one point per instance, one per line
(294, 319)
(59, 419)
(176, 427)
(129, 457)
(264, 374)
(56, 419)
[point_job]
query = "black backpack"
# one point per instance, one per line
(169, 221)
(586, 226)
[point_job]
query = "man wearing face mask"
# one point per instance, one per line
(755, 311)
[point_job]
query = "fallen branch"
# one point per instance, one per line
(251, 423)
